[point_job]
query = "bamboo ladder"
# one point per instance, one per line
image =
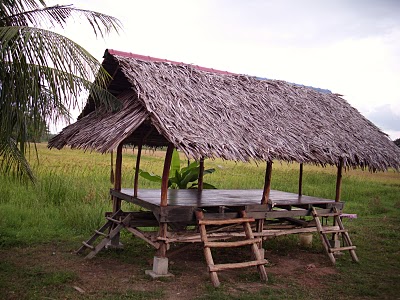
(331, 249)
(250, 240)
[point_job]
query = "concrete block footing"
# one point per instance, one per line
(160, 268)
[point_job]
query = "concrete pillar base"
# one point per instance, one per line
(160, 268)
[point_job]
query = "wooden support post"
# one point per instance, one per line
(117, 186)
(339, 180)
(162, 251)
(201, 175)
(267, 184)
(117, 178)
(301, 180)
(165, 175)
(338, 192)
(136, 180)
(265, 197)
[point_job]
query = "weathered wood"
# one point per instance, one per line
(117, 180)
(339, 180)
(118, 169)
(201, 175)
(142, 236)
(232, 244)
(195, 237)
(162, 250)
(87, 245)
(229, 198)
(226, 222)
(136, 180)
(114, 232)
(325, 242)
(335, 231)
(94, 237)
(207, 251)
(267, 183)
(165, 175)
(255, 249)
(222, 267)
(301, 180)
(342, 248)
(182, 203)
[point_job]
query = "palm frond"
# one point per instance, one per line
(59, 14)
(43, 74)
(67, 68)
(13, 161)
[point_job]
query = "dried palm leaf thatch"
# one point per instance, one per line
(235, 117)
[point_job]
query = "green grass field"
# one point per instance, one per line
(71, 195)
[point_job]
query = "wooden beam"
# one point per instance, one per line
(339, 180)
(267, 183)
(165, 175)
(301, 180)
(201, 175)
(136, 180)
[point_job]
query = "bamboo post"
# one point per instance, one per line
(117, 186)
(136, 180)
(117, 178)
(267, 183)
(301, 180)
(265, 197)
(201, 175)
(338, 192)
(339, 180)
(162, 251)
(165, 175)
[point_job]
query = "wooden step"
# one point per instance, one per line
(101, 233)
(87, 245)
(113, 220)
(328, 215)
(232, 244)
(334, 231)
(342, 248)
(225, 221)
(221, 267)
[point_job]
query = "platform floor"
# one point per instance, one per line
(207, 198)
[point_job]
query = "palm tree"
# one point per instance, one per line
(42, 73)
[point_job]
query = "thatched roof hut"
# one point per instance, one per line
(210, 113)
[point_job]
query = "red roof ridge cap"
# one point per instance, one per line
(155, 59)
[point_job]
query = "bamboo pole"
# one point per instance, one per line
(267, 183)
(201, 175)
(136, 180)
(301, 180)
(265, 197)
(162, 251)
(117, 186)
(165, 175)
(339, 180)
(117, 178)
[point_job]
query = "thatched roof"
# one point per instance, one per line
(210, 113)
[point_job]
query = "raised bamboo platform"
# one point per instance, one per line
(182, 204)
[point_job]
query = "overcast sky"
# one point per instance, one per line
(351, 47)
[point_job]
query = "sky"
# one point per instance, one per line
(351, 47)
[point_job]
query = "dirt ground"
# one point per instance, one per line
(110, 272)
